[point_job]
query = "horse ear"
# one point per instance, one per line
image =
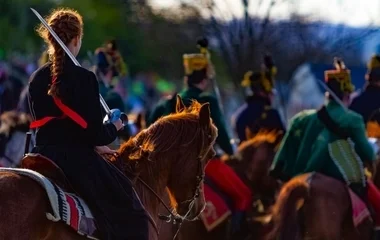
(204, 114)
(248, 133)
(179, 106)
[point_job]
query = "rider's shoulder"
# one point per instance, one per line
(40, 73)
(304, 115)
(354, 116)
(84, 74)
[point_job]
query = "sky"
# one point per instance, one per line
(351, 12)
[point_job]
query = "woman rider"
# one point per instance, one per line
(70, 131)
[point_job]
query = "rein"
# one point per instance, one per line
(151, 220)
(173, 217)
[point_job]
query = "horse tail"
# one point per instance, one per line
(285, 211)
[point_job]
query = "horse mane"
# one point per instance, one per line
(147, 143)
(284, 212)
(178, 138)
(271, 139)
(14, 121)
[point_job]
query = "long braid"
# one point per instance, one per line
(67, 24)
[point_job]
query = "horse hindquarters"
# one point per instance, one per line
(285, 215)
(23, 207)
(326, 214)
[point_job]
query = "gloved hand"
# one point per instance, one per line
(114, 116)
(236, 220)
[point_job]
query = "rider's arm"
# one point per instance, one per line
(223, 139)
(85, 100)
(358, 136)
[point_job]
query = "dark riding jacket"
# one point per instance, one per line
(256, 114)
(367, 102)
(80, 91)
(109, 194)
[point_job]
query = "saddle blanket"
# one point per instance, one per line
(359, 210)
(216, 210)
(66, 207)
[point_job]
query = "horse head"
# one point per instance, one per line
(171, 155)
(256, 156)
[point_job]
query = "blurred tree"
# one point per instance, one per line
(242, 41)
(17, 23)
(165, 35)
(149, 40)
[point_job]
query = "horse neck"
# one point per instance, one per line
(156, 177)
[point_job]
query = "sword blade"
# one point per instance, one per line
(67, 51)
(332, 94)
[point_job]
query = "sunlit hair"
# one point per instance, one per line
(67, 24)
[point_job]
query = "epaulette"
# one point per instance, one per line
(303, 114)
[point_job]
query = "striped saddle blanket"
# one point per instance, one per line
(65, 207)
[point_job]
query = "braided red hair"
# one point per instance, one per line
(67, 24)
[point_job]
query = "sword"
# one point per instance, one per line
(67, 51)
(332, 94)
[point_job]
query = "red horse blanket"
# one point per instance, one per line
(226, 180)
(359, 209)
(216, 210)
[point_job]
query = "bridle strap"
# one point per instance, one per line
(176, 217)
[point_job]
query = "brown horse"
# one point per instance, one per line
(252, 164)
(170, 154)
(314, 206)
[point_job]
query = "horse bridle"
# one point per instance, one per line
(199, 179)
(173, 217)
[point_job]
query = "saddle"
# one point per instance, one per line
(47, 168)
(66, 205)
